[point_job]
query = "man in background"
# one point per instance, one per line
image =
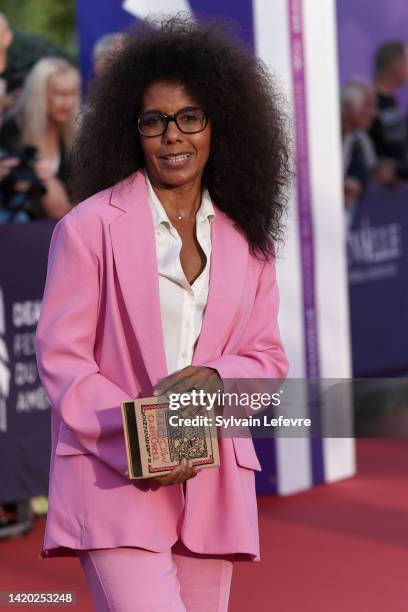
(360, 161)
(389, 129)
(104, 49)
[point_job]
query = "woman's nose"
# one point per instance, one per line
(172, 133)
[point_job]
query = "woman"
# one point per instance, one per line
(45, 118)
(162, 280)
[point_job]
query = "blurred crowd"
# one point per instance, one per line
(374, 127)
(38, 121)
(39, 116)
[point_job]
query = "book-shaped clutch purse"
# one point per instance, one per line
(156, 442)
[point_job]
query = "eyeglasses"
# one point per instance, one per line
(188, 120)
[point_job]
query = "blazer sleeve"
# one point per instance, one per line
(260, 354)
(86, 401)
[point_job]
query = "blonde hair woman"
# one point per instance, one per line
(45, 117)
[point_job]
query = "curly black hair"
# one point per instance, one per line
(249, 165)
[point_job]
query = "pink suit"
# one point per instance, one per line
(99, 342)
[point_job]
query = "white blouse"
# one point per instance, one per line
(182, 305)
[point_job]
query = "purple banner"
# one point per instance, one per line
(24, 407)
(377, 250)
(98, 17)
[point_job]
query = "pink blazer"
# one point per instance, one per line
(99, 342)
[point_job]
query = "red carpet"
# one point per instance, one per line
(337, 548)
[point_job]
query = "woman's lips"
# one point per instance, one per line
(176, 161)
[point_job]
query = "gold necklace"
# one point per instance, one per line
(179, 216)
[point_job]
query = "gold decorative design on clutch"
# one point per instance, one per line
(157, 438)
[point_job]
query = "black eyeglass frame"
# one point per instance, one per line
(168, 118)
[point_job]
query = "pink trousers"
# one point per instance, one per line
(138, 580)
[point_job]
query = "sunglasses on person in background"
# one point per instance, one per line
(188, 120)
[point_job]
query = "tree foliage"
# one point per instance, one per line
(52, 20)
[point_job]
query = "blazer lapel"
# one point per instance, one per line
(229, 259)
(134, 249)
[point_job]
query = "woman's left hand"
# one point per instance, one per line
(199, 378)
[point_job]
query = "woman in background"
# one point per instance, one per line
(45, 118)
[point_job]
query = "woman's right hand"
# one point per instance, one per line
(182, 472)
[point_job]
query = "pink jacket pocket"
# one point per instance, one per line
(245, 453)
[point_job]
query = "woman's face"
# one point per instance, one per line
(163, 165)
(62, 96)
